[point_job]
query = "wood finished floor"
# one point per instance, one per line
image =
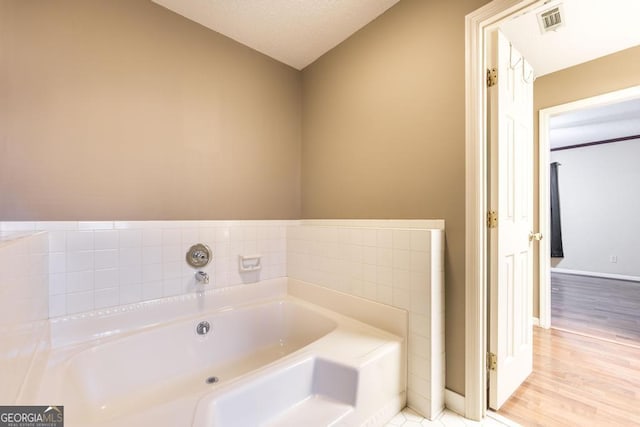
(578, 381)
(599, 307)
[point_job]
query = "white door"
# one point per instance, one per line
(511, 197)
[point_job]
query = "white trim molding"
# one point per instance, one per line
(477, 24)
(597, 274)
(544, 222)
(454, 402)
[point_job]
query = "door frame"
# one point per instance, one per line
(544, 151)
(477, 27)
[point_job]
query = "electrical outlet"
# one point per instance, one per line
(613, 259)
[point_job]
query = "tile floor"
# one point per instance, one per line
(408, 418)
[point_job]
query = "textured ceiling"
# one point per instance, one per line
(593, 28)
(296, 32)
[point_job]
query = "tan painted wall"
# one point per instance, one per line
(121, 109)
(607, 74)
(383, 134)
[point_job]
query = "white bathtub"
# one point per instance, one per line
(276, 361)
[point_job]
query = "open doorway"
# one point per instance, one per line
(571, 369)
(561, 391)
(590, 286)
(478, 26)
(505, 271)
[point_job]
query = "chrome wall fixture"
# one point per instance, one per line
(202, 277)
(199, 255)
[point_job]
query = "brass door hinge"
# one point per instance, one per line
(492, 219)
(492, 77)
(492, 362)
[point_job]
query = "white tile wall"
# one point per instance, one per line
(399, 263)
(24, 270)
(82, 266)
(93, 265)
(24, 304)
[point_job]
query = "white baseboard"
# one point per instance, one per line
(454, 401)
(536, 321)
(596, 274)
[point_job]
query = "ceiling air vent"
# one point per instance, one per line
(551, 19)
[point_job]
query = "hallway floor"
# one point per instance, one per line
(578, 381)
(595, 306)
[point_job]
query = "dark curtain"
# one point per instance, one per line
(556, 229)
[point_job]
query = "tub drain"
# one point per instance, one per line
(211, 380)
